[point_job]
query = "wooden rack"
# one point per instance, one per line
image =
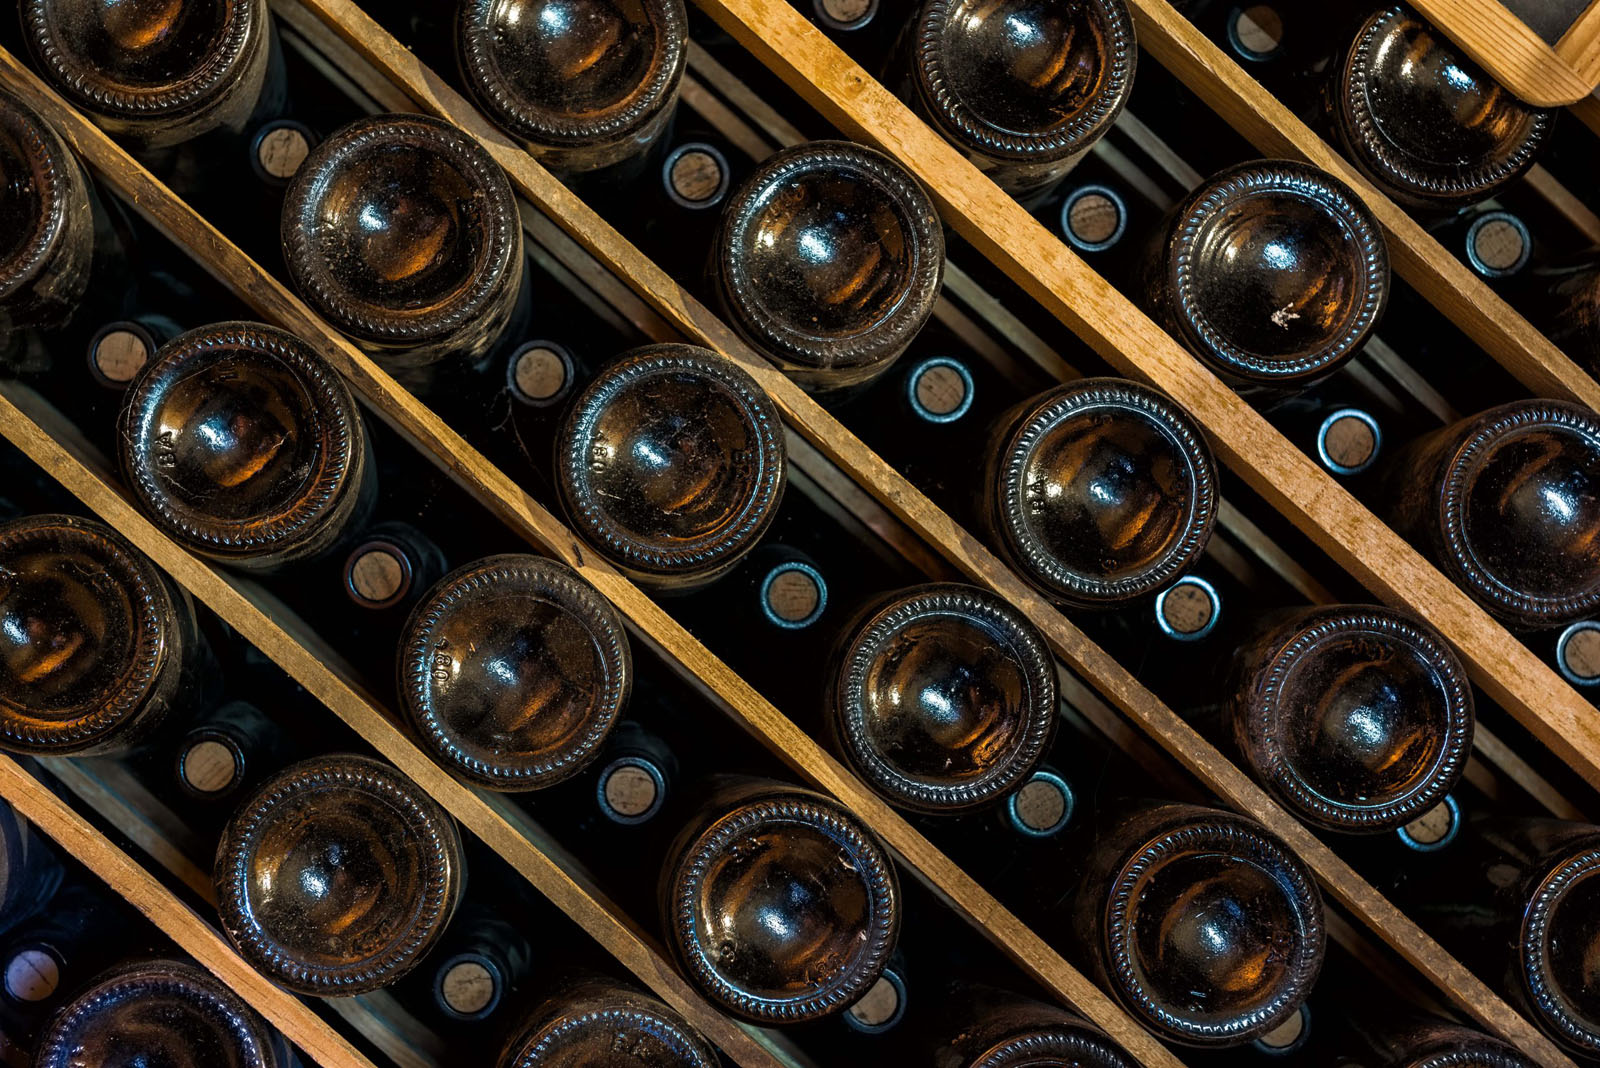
(571, 238)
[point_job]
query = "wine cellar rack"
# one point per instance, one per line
(1009, 288)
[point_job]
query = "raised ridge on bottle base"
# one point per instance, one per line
(1359, 717)
(1102, 491)
(46, 222)
(1559, 937)
(1024, 85)
(291, 470)
(944, 698)
(781, 906)
(1210, 929)
(93, 638)
(159, 1012)
(338, 876)
(829, 258)
(1507, 502)
(586, 83)
(514, 670)
(404, 233)
(154, 74)
(1423, 121)
(1274, 273)
(671, 463)
(601, 1023)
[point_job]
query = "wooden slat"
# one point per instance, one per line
(1171, 732)
(76, 838)
(1519, 58)
(524, 515)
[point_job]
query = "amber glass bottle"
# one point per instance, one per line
(513, 670)
(778, 903)
(584, 85)
(338, 876)
(97, 647)
(1423, 122)
(1204, 925)
(1519, 902)
(246, 447)
(160, 1012)
(154, 74)
(1023, 87)
(671, 464)
(829, 260)
(1507, 503)
(943, 697)
(1359, 718)
(994, 1029)
(403, 232)
(1273, 272)
(1100, 492)
(47, 223)
(593, 1021)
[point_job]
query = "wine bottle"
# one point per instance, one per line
(778, 903)
(1517, 900)
(988, 1028)
(1023, 87)
(671, 464)
(1204, 925)
(583, 85)
(245, 447)
(47, 240)
(403, 232)
(97, 647)
(1358, 718)
(1423, 122)
(338, 876)
(1100, 492)
(590, 1020)
(1507, 504)
(154, 75)
(829, 259)
(1273, 272)
(165, 1012)
(943, 698)
(513, 671)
